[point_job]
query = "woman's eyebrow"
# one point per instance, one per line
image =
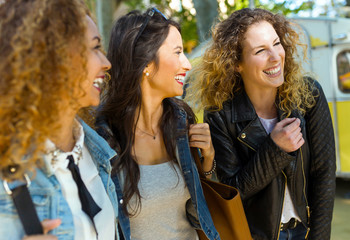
(96, 38)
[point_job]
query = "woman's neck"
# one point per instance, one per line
(151, 111)
(149, 147)
(264, 103)
(65, 138)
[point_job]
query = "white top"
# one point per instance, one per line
(163, 205)
(57, 162)
(288, 211)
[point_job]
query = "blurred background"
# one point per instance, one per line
(326, 26)
(197, 16)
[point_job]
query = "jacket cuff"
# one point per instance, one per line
(285, 158)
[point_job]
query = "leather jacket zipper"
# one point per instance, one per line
(280, 223)
(304, 191)
(285, 187)
(246, 144)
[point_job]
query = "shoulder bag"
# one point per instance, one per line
(225, 206)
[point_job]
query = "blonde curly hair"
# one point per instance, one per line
(216, 80)
(39, 74)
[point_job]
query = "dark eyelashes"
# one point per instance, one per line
(259, 51)
(98, 47)
(276, 44)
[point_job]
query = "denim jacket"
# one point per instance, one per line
(191, 177)
(47, 196)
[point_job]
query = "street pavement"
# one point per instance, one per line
(341, 214)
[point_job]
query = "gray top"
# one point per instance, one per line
(163, 211)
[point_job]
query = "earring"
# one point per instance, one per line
(147, 74)
(108, 76)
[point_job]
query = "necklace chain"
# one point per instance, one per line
(56, 152)
(151, 135)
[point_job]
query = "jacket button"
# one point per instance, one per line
(121, 201)
(243, 135)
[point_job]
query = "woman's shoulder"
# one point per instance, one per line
(313, 84)
(98, 140)
(103, 129)
(176, 102)
(317, 94)
(238, 98)
(175, 108)
(179, 104)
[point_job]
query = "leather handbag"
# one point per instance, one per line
(225, 207)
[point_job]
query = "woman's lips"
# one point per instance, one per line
(180, 78)
(274, 71)
(98, 82)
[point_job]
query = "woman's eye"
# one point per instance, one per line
(98, 47)
(277, 43)
(178, 53)
(261, 50)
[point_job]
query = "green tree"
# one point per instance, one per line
(103, 10)
(195, 25)
(105, 15)
(184, 16)
(285, 6)
(204, 17)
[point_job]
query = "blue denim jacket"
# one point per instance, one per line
(47, 195)
(192, 180)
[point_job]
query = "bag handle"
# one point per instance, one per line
(25, 207)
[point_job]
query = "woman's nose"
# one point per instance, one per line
(186, 63)
(274, 55)
(106, 65)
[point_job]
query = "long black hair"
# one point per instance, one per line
(130, 52)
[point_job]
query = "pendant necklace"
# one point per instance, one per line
(153, 136)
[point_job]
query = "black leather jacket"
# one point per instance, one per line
(248, 159)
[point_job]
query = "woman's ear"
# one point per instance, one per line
(148, 70)
(145, 70)
(238, 68)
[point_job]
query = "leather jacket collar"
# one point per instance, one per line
(242, 110)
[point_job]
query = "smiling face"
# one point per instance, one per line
(97, 65)
(263, 58)
(167, 80)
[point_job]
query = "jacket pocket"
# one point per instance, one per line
(7, 209)
(41, 199)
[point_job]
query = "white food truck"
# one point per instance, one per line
(328, 42)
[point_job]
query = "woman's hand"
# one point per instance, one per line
(287, 134)
(48, 225)
(199, 136)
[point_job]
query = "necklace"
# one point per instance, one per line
(151, 135)
(77, 149)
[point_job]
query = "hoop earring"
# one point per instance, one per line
(108, 76)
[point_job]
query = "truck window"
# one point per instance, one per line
(343, 66)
